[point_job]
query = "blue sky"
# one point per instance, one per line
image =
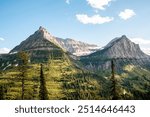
(91, 21)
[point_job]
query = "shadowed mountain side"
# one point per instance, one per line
(121, 50)
(41, 38)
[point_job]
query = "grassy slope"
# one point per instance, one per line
(63, 81)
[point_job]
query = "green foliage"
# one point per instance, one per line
(24, 58)
(43, 90)
(82, 86)
(2, 93)
(62, 78)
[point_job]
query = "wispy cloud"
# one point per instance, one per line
(95, 19)
(2, 39)
(68, 1)
(146, 50)
(144, 44)
(99, 4)
(4, 50)
(141, 41)
(127, 14)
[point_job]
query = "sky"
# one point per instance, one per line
(92, 21)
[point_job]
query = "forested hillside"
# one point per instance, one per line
(61, 78)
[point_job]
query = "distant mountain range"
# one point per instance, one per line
(67, 76)
(41, 44)
(77, 48)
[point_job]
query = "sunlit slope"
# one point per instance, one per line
(63, 81)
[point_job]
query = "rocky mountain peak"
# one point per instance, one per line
(40, 40)
(42, 28)
(124, 37)
(43, 32)
(122, 50)
(121, 47)
(123, 40)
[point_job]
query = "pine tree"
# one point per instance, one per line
(24, 58)
(113, 81)
(1, 93)
(43, 93)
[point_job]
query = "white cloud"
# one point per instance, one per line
(2, 39)
(99, 4)
(96, 19)
(146, 50)
(127, 14)
(141, 41)
(4, 50)
(68, 1)
(144, 44)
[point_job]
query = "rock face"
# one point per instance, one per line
(41, 38)
(77, 48)
(122, 50)
(41, 46)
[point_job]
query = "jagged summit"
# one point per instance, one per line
(40, 40)
(121, 47)
(42, 28)
(124, 37)
(45, 33)
(40, 45)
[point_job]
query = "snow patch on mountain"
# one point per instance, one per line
(77, 48)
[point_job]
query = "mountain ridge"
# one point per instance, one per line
(39, 40)
(42, 44)
(87, 77)
(75, 47)
(122, 50)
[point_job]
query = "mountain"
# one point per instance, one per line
(41, 37)
(40, 46)
(40, 40)
(23, 77)
(77, 48)
(122, 50)
(89, 77)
